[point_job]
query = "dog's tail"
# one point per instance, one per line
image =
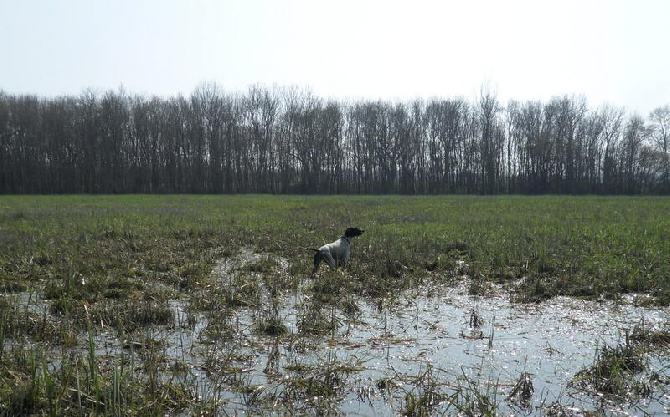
(308, 249)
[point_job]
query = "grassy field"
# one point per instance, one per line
(97, 263)
(579, 246)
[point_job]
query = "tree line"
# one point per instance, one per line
(288, 140)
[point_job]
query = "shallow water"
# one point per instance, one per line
(455, 341)
(379, 357)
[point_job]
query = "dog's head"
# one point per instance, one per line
(353, 232)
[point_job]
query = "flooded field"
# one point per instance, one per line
(185, 305)
(432, 350)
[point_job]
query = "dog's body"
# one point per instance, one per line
(337, 253)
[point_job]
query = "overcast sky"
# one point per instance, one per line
(610, 51)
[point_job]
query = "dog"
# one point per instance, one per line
(337, 253)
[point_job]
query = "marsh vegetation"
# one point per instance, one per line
(136, 305)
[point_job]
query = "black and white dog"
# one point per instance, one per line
(337, 253)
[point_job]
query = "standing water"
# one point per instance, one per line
(428, 351)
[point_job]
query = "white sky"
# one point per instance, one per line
(610, 51)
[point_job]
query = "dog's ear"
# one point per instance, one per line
(353, 232)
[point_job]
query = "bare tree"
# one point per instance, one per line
(487, 116)
(660, 132)
(632, 146)
(288, 140)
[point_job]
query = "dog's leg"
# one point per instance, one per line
(317, 261)
(339, 262)
(325, 256)
(329, 258)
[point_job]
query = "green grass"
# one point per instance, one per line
(111, 263)
(545, 246)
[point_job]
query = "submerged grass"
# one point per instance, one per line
(621, 373)
(99, 265)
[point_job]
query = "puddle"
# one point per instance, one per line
(551, 341)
